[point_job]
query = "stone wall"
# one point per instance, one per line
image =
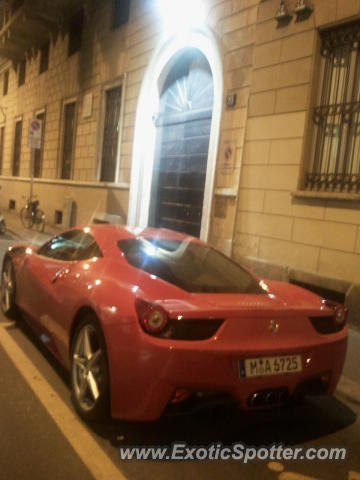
(102, 62)
(271, 70)
(315, 235)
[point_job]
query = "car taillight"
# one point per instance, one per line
(341, 315)
(340, 312)
(331, 324)
(152, 317)
(155, 321)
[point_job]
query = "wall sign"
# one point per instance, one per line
(87, 105)
(220, 210)
(35, 133)
(227, 159)
(231, 100)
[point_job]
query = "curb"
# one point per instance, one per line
(348, 390)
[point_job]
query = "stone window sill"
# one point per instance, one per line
(75, 183)
(336, 196)
(225, 192)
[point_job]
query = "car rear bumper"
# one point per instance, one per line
(143, 381)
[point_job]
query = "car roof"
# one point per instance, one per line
(108, 235)
(125, 233)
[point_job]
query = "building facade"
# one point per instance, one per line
(233, 120)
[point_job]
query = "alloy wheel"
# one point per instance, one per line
(7, 287)
(88, 368)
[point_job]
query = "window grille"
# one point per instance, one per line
(75, 33)
(2, 136)
(121, 11)
(6, 83)
(335, 150)
(39, 152)
(68, 140)
(44, 57)
(111, 135)
(22, 73)
(17, 149)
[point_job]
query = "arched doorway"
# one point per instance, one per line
(183, 127)
(165, 57)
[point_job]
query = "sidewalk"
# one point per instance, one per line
(21, 234)
(351, 369)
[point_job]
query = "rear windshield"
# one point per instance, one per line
(192, 266)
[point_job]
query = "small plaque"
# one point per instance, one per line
(231, 100)
(228, 157)
(87, 105)
(220, 209)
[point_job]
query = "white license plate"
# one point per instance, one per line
(259, 367)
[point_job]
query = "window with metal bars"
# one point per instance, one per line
(17, 148)
(39, 152)
(2, 136)
(22, 73)
(6, 83)
(15, 5)
(75, 33)
(44, 57)
(68, 140)
(121, 12)
(111, 134)
(335, 150)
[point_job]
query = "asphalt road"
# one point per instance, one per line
(41, 437)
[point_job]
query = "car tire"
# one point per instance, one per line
(89, 371)
(8, 289)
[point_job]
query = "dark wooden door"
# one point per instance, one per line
(17, 149)
(183, 131)
(111, 134)
(68, 140)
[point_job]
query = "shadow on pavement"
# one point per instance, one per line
(317, 417)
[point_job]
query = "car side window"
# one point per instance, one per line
(71, 246)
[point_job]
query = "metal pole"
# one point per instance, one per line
(32, 173)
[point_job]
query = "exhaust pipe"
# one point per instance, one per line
(268, 398)
(283, 396)
(271, 398)
(255, 400)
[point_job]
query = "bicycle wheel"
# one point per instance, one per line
(39, 220)
(27, 217)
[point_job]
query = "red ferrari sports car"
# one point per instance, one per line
(151, 320)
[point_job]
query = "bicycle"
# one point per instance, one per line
(31, 215)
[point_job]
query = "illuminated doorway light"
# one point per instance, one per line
(182, 14)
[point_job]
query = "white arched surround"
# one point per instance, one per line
(145, 131)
